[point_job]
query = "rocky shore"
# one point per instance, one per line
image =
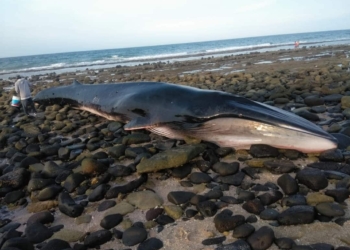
(72, 180)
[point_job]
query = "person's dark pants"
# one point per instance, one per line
(28, 106)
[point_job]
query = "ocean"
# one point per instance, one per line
(94, 59)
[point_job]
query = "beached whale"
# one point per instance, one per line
(181, 112)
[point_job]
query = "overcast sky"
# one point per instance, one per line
(29, 27)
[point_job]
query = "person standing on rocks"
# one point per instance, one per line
(22, 88)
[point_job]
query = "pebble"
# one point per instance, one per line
(269, 214)
(43, 217)
(49, 192)
(339, 194)
(97, 238)
(238, 244)
(37, 232)
(144, 199)
(18, 243)
(235, 179)
(312, 178)
(223, 168)
(122, 208)
(199, 177)
(293, 200)
(173, 211)
(243, 231)
(110, 221)
(106, 205)
(207, 208)
(164, 219)
(285, 243)
(56, 244)
(262, 238)
(127, 188)
(153, 213)
(73, 181)
(288, 184)
(262, 151)
(181, 172)
(225, 221)
(253, 206)
(270, 197)
(68, 206)
(213, 241)
(330, 209)
(134, 235)
(179, 197)
(279, 166)
(98, 193)
(331, 155)
(300, 214)
(150, 244)
(14, 196)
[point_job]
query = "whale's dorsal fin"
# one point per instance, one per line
(75, 82)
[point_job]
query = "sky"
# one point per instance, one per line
(30, 27)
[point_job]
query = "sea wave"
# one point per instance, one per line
(239, 47)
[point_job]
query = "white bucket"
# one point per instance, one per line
(15, 101)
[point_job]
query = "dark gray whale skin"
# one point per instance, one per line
(149, 105)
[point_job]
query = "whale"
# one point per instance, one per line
(182, 112)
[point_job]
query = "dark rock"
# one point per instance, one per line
(52, 170)
(28, 161)
(280, 166)
(224, 221)
(153, 213)
(56, 244)
(223, 168)
(39, 183)
(203, 166)
(106, 205)
(209, 155)
(339, 194)
(308, 115)
(293, 200)
(120, 171)
(199, 177)
(245, 195)
(343, 140)
(131, 186)
(288, 184)
(134, 235)
(43, 217)
(51, 149)
(68, 206)
(312, 178)
(63, 153)
(213, 241)
(191, 213)
(313, 101)
(12, 197)
(135, 138)
(251, 172)
(150, 244)
(270, 197)
(261, 151)
(117, 151)
(111, 221)
(49, 192)
(91, 167)
(98, 193)
(269, 214)
(331, 166)
(182, 172)
(237, 245)
(18, 243)
(231, 200)
(243, 231)
(330, 209)
(253, 206)
(9, 226)
(322, 246)
(14, 179)
(207, 208)
(261, 239)
(179, 197)
(300, 214)
(37, 232)
(73, 181)
(331, 155)
(222, 152)
(285, 243)
(235, 179)
(214, 194)
(251, 219)
(318, 109)
(97, 238)
(164, 219)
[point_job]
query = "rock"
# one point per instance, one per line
(90, 166)
(269, 214)
(173, 211)
(150, 244)
(43, 217)
(83, 219)
(111, 221)
(117, 151)
(127, 188)
(14, 179)
(68, 206)
(285, 243)
(288, 184)
(331, 155)
(312, 178)
(179, 197)
(262, 151)
(315, 198)
(153, 213)
(270, 197)
(225, 221)
(339, 194)
(345, 102)
(213, 241)
(106, 205)
(73, 181)
(122, 208)
(135, 138)
(41, 206)
(243, 231)
(98, 193)
(171, 158)
(330, 209)
(235, 179)
(56, 244)
(261, 239)
(37, 232)
(181, 172)
(134, 235)
(223, 168)
(144, 199)
(97, 238)
(164, 219)
(68, 235)
(296, 215)
(114, 126)
(253, 206)
(207, 208)
(49, 192)
(13, 196)
(238, 244)
(280, 166)
(313, 101)
(343, 140)
(51, 149)
(199, 177)
(18, 243)
(293, 200)
(38, 183)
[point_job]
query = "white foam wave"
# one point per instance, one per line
(239, 47)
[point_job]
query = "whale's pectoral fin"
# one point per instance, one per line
(139, 123)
